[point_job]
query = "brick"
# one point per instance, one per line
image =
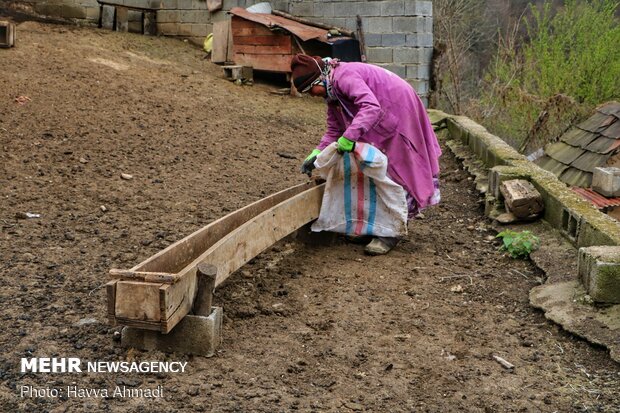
(377, 24)
(394, 39)
(412, 25)
(606, 181)
(392, 8)
(379, 54)
(599, 270)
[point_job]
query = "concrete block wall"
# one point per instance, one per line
(398, 33)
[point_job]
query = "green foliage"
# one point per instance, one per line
(574, 52)
(518, 244)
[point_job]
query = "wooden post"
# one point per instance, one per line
(206, 274)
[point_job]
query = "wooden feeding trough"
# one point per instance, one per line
(269, 41)
(157, 293)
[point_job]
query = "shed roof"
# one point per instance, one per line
(583, 147)
(303, 31)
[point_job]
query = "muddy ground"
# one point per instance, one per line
(307, 328)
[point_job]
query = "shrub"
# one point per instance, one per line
(518, 244)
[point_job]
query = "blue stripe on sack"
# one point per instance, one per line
(347, 191)
(372, 208)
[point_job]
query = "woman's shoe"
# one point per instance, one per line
(358, 239)
(381, 245)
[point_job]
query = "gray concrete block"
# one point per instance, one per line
(372, 39)
(419, 8)
(392, 8)
(107, 17)
(193, 16)
(412, 24)
(281, 5)
(325, 10)
(185, 4)
(170, 29)
(394, 39)
(377, 24)
(419, 71)
(417, 55)
(184, 29)
(168, 4)
(304, 9)
(199, 30)
(420, 86)
(379, 54)
(168, 16)
(363, 8)
(606, 181)
(399, 70)
(194, 334)
(599, 271)
(419, 40)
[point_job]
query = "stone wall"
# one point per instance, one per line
(398, 33)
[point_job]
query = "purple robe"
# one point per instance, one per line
(376, 106)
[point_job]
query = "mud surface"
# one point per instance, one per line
(307, 328)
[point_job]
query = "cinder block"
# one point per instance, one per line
(238, 72)
(521, 198)
(169, 4)
(419, 40)
(185, 4)
(372, 39)
(170, 29)
(392, 8)
(419, 71)
(184, 29)
(419, 8)
(325, 10)
(199, 30)
(379, 54)
(399, 70)
(377, 24)
(304, 9)
(122, 19)
(194, 334)
(606, 181)
(7, 34)
(599, 270)
(363, 8)
(420, 86)
(414, 24)
(394, 39)
(107, 17)
(416, 55)
(168, 16)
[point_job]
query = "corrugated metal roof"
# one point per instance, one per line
(303, 31)
(576, 177)
(551, 165)
(610, 108)
(598, 200)
(603, 145)
(578, 137)
(563, 153)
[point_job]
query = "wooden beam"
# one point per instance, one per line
(228, 244)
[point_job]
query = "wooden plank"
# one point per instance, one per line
(261, 50)
(178, 255)
(274, 63)
(277, 40)
(239, 246)
(154, 277)
(111, 293)
(252, 31)
(220, 41)
(137, 300)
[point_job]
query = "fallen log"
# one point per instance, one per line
(157, 293)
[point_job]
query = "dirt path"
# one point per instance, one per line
(307, 328)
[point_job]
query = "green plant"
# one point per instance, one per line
(518, 244)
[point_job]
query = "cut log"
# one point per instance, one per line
(521, 198)
(227, 244)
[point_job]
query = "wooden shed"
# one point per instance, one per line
(268, 41)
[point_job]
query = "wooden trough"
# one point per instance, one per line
(157, 293)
